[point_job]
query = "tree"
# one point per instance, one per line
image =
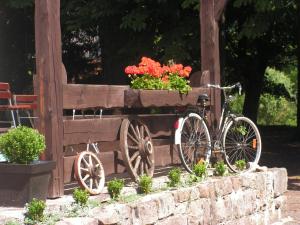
(298, 63)
(127, 30)
(17, 44)
(258, 34)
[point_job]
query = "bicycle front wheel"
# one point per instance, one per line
(241, 144)
(194, 144)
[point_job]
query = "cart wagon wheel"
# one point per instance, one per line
(89, 172)
(137, 148)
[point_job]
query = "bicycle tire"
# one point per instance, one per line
(241, 141)
(199, 141)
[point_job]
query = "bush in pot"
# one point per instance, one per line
(22, 145)
(26, 177)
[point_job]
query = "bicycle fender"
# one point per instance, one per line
(177, 131)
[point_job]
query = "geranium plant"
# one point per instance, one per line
(150, 74)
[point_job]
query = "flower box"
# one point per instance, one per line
(161, 98)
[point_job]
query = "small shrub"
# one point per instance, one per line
(35, 210)
(200, 170)
(174, 177)
(22, 145)
(145, 184)
(81, 196)
(240, 164)
(220, 168)
(192, 179)
(115, 187)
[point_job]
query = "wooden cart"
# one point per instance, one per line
(134, 121)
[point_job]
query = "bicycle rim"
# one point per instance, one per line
(194, 144)
(241, 142)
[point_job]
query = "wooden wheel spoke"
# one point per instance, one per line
(90, 160)
(133, 147)
(133, 139)
(91, 183)
(96, 183)
(137, 163)
(84, 169)
(142, 167)
(142, 131)
(146, 167)
(149, 162)
(86, 177)
(133, 157)
(85, 162)
(134, 131)
(138, 131)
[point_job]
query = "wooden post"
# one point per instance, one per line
(49, 77)
(210, 15)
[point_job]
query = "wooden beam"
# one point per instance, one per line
(210, 13)
(49, 77)
(83, 96)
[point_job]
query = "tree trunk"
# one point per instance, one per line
(253, 90)
(298, 63)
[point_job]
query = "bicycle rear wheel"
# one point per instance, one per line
(195, 142)
(241, 141)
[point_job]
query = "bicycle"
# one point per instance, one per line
(236, 137)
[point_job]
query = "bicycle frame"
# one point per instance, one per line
(225, 117)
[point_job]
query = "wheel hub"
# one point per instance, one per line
(145, 147)
(93, 171)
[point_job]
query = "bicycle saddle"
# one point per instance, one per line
(203, 97)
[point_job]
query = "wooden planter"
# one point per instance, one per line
(20, 183)
(161, 98)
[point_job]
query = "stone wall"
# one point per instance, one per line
(250, 198)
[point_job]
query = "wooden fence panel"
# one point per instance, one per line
(82, 96)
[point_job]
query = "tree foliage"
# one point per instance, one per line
(258, 34)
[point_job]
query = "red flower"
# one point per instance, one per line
(152, 68)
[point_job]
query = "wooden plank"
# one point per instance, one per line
(69, 168)
(160, 125)
(49, 76)
(90, 130)
(82, 96)
(161, 98)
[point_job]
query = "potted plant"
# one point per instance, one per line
(23, 177)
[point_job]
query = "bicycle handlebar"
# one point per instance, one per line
(217, 86)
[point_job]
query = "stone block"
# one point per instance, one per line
(207, 190)
(236, 183)
(182, 194)
(78, 221)
(223, 187)
(174, 220)
(166, 205)
(147, 210)
(280, 181)
(107, 214)
(181, 208)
